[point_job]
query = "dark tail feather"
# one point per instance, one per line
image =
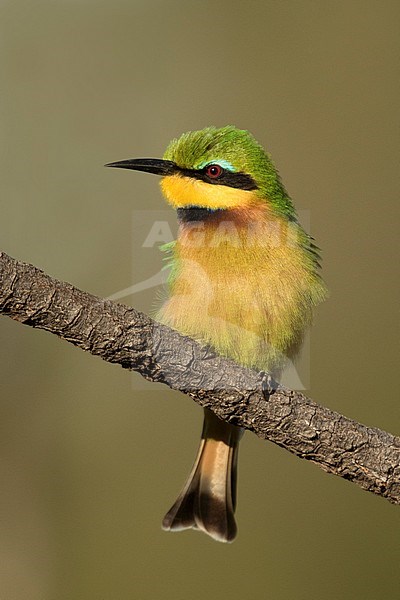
(208, 498)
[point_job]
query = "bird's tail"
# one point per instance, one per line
(208, 498)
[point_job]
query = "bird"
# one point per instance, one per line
(244, 280)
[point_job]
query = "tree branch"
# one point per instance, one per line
(120, 334)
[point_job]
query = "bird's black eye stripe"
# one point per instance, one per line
(242, 181)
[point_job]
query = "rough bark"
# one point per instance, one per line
(120, 334)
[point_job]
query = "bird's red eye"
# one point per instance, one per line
(214, 171)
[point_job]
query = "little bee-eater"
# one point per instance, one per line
(244, 279)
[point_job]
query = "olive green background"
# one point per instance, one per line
(91, 458)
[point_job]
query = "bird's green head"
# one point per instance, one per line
(217, 168)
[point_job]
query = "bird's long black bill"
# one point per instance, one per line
(149, 165)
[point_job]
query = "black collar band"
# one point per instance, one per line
(197, 213)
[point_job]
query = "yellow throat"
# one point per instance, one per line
(185, 191)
